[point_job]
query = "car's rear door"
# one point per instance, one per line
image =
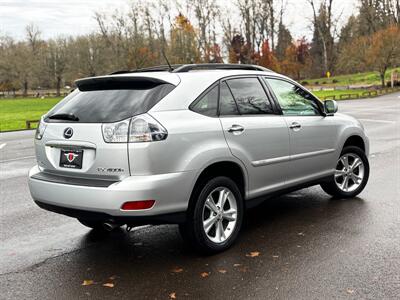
(255, 133)
(313, 137)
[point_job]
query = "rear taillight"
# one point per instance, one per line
(138, 205)
(142, 128)
(116, 132)
(40, 130)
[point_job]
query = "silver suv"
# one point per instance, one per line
(194, 145)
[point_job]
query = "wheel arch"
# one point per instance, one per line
(355, 140)
(228, 168)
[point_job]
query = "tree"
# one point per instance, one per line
(377, 52)
(349, 31)
(8, 76)
(375, 15)
(57, 61)
(322, 48)
(284, 41)
(267, 57)
(206, 11)
(384, 50)
(237, 50)
(259, 23)
(183, 47)
(297, 57)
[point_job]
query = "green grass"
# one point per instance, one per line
(351, 79)
(14, 112)
(337, 93)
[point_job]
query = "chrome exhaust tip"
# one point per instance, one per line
(110, 226)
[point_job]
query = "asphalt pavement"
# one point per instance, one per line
(303, 245)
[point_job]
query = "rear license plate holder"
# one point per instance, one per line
(71, 159)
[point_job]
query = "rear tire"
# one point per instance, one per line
(351, 174)
(215, 216)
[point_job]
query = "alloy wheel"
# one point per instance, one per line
(219, 214)
(349, 173)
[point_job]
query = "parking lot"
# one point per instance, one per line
(303, 245)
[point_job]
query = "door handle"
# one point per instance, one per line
(236, 129)
(295, 126)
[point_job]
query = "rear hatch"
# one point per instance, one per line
(71, 137)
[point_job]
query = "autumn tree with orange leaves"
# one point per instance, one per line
(183, 47)
(297, 59)
(378, 52)
(267, 58)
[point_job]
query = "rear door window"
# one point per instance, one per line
(250, 96)
(104, 104)
(227, 105)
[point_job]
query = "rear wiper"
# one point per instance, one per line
(70, 117)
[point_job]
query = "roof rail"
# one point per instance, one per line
(157, 68)
(162, 68)
(177, 68)
(120, 72)
(219, 66)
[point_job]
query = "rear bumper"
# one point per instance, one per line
(171, 192)
(172, 218)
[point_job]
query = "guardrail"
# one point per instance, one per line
(365, 94)
(4, 95)
(29, 122)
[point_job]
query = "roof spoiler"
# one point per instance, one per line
(117, 83)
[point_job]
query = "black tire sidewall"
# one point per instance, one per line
(200, 237)
(335, 190)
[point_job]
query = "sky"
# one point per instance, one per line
(74, 17)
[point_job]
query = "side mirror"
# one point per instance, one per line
(331, 107)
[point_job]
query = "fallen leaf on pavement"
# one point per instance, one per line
(237, 265)
(253, 254)
(350, 291)
(301, 233)
(177, 270)
(87, 282)
(109, 284)
(222, 271)
(275, 256)
(172, 295)
(205, 274)
(243, 269)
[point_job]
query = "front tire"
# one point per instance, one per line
(351, 174)
(215, 216)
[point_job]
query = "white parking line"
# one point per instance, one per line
(3, 145)
(378, 121)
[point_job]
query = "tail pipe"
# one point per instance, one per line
(110, 226)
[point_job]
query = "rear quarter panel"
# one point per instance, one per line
(194, 141)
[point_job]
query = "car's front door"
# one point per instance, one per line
(313, 137)
(255, 133)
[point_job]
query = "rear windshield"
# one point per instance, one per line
(105, 105)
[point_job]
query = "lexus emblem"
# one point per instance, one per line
(68, 132)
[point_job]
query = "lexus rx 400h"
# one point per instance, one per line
(194, 145)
